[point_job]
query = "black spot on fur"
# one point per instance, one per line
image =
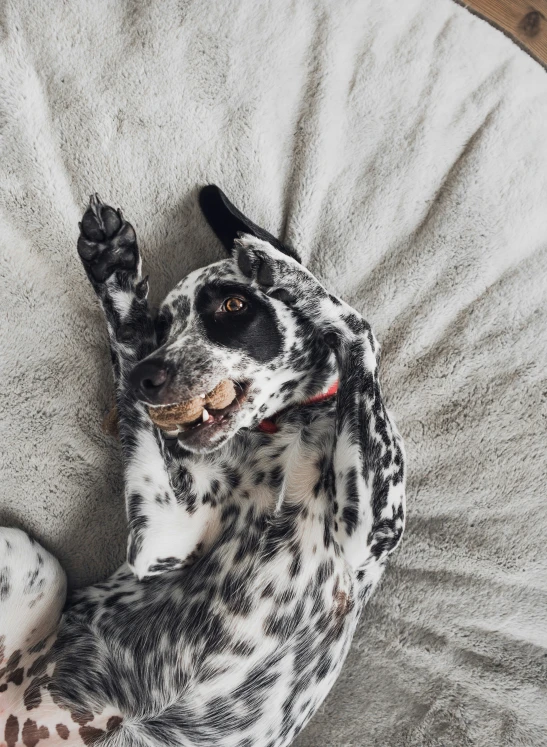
(32, 696)
(5, 586)
(13, 660)
(16, 676)
(350, 512)
(253, 331)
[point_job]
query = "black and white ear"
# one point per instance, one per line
(228, 222)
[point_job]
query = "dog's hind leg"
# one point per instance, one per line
(163, 532)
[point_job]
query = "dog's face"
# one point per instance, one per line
(219, 324)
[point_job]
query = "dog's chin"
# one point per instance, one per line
(211, 435)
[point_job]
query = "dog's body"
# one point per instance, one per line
(255, 537)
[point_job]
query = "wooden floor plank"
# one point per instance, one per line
(524, 21)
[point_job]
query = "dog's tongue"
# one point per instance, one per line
(167, 416)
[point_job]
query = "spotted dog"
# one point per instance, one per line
(256, 533)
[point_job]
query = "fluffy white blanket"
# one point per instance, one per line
(401, 147)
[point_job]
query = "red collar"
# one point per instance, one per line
(270, 426)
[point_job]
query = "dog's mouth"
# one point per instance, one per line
(208, 412)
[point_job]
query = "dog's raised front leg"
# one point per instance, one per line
(108, 249)
(368, 456)
(367, 479)
(164, 528)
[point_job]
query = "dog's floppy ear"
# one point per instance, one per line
(227, 221)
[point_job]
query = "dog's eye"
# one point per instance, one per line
(233, 304)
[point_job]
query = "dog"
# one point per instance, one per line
(256, 533)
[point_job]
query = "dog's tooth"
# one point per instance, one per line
(202, 396)
(205, 415)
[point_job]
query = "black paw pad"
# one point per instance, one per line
(107, 242)
(100, 222)
(250, 263)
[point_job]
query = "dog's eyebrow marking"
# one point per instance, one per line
(181, 305)
(254, 332)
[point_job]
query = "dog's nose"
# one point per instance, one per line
(149, 379)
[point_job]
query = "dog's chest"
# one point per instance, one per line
(256, 629)
(243, 485)
(281, 589)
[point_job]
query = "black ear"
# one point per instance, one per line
(227, 221)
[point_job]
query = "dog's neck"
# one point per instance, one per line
(269, 425)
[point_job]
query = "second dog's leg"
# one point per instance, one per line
(162, 531)
(32, 594)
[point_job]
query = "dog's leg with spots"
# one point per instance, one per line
(32, 595)
(368, 457)
(163, 529)
(367, 477)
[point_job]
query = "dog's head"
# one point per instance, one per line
(219, 323)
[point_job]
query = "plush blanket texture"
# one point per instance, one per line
(401, 147)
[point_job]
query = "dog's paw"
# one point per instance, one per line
(277, 274)
(107, 242)
(283, 278)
